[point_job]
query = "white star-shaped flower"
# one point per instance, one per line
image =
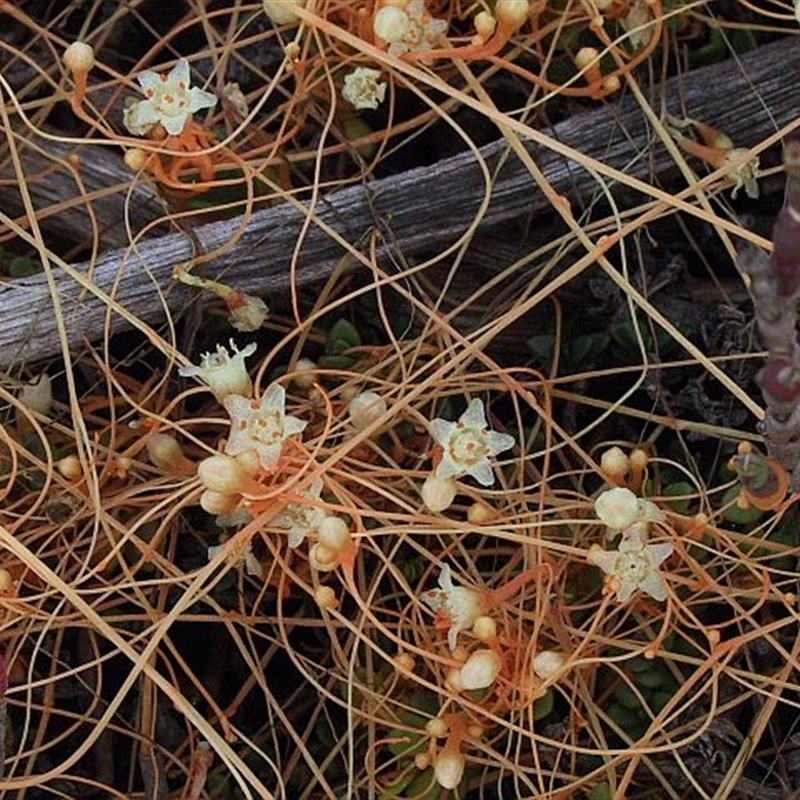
(467, 445)
(633, 566)
(170, 101)
(224, 374)
(301, 518)
(457, 604)
(261, 425)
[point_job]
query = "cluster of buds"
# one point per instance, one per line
(448, 761)
(334, 544)
(635, 563)
(226, 479)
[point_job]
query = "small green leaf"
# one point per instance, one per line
(740, 516)
(586, 347)
(678, 492)
(543, 706)
(542, 346)
(601, 791)
(22, 267)
(341, 337)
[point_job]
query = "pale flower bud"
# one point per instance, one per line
(247, 312)
(615, 464)
(436, 728)
(405, 661)
(438, 493)
(282, 12)
(618, 508)
(480, 670)
(334, 534)
(164, 451)
(70, 468)
(449, 768)
(6, 582)
(365, 408)
(512, 14)
(548, 663)
(326, 598)
(79, 57)
(218, 504)
(391, 24)
(479, 513)
(586, 56)
(322, 558)
(485, 24)
(135, 159)
(485, 629)
(225, 475)
(453, 679)
(306, 373)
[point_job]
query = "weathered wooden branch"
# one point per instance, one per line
(426, 208)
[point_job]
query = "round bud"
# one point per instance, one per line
(405, 661)
(548, 663)
(485, 629)
(586, 56)
(422, 761)
(449, 769)
(135, 159)
(485, 24)
(223, 474)
(218, 504)
(365, 408)
(611, 84)
(436, 728)
(326, 598)
(79, 57)
(322, 558)
(334, 534)
(164, 451)
(391, 24)
(70, 468)
(305, 374)
(282, 12)
(6, 581)
(480, 670)
(512, 14)
(480, 513)
(438, 493)
(614, 463)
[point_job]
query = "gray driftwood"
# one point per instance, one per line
(426, 208)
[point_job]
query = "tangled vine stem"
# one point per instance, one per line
(775, 287)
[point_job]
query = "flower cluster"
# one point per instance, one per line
(407, 28)
(634, 564)
(170, 102)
